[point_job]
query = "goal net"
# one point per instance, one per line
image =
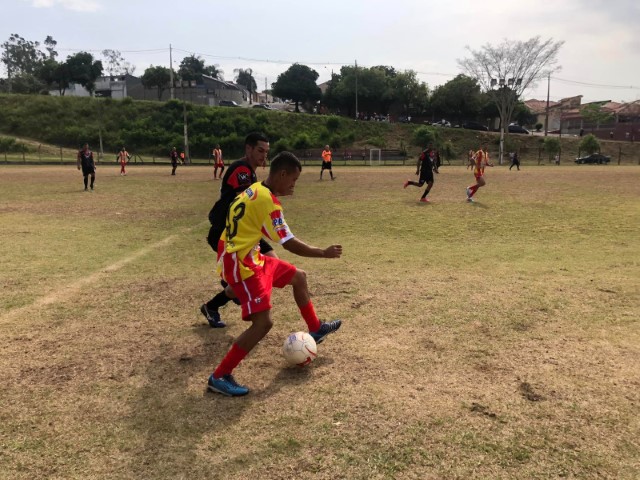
(375, 157)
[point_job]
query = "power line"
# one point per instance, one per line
(586, 84)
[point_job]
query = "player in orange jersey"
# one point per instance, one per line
(217, 162)
(123, 157)
(481, 160)
(326, 161)
(255, 213)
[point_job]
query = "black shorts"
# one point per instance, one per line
(88, 169)
(214, 237)
(326, 165)
(426, 177)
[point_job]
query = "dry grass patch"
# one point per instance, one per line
(492, 340)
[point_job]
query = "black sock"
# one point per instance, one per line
(92, 180)
(86, 180)
(220, 300)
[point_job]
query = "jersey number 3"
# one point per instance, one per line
(232, 224)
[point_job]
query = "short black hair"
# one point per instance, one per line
(255, 137)
(286, 161)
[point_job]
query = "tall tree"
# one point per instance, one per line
(21, 57)
(411, 94)
(297, 83)
(192, 68)
(83, 69)
(459, 99)
(156, 77)
(50, 45)
(594, 114)
(244, 77)
(507, 70)
(115, 64)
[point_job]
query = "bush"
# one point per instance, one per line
(551, 145)
(333, 123)
(423, 136)
(281, 146)
(538, 127)
(590, 144)
(302, 142)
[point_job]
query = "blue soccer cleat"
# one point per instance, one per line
(212, 316)
(325, 329)
(226, 385)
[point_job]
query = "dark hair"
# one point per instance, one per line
(286, 161)
(255, 137)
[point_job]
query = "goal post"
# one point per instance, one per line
(375, 157)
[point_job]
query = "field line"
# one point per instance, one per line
(68, 291)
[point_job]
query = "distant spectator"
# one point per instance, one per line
(626, 135)
(611, 135)
(581, 131)
(557, 159)
(174, 160)
(515, 161)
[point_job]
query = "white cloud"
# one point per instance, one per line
(75, 5)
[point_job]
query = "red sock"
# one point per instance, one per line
(309, 315)
(230, 361)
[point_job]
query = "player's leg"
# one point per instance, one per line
(427, 190)
(283, 276)
(331, 172)
(221, 170)
(321, 170)
(93, 179)
(86, 181)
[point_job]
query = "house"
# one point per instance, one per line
(110, 86)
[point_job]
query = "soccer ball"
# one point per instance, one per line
(299, 349)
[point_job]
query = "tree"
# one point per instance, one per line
(213, 71)
(115, 64)
(192, 68)
(411, 94)
(83, 69)
(458, 99)
(21, 57)
(512, 67)
(298, 83)
(156, 77)
(590, 144)
(595, 115)
(50, 45)
(551, 146)
(245, 78)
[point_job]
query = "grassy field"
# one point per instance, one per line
(491, 340)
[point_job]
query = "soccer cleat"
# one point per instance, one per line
(424, 200)
(226, 385)
(325, 329)
(469, 199)
(406, 184)
(212, 316)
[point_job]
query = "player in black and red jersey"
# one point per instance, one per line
(427, 164)
(86, 162)
(240, 175)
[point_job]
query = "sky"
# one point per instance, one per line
(600, 58)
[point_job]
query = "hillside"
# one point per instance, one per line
(41, 125)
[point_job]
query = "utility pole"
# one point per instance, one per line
(171, 73)
(546, 119)
(187, 158)
(356, 88)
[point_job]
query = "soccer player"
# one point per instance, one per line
(123, 157)
(326, 161)
(481, 160)
(174, 160)
(240, 175)
(252, 276)
(426, 166)
(217, 162)
(86, 162)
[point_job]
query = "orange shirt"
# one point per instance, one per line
(326, 156)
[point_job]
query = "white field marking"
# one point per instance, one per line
(72, 289)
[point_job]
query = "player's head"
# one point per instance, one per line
(174, 149)
(217, 145)
(123, 149)
(326, 147)
(256, 149)
(85, 146)
(284, 172)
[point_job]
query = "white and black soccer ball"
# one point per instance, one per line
(299, 349)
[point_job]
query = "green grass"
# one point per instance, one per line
(489, 340)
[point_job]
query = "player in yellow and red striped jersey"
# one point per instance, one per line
(481, 160)
(255, 213)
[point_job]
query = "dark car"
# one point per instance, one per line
(593, 158)
(475, 126)
(518, 129)
(228, 103)
(263, 106)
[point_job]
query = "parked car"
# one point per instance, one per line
(593, 158)
(442, 123)
(228, 103)
(263, 106)
(513, 128)
(475, 126)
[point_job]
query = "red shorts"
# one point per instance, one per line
(219, 164)
(254, 293)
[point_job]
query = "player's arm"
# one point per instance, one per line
(418, 164)
(298, 247)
